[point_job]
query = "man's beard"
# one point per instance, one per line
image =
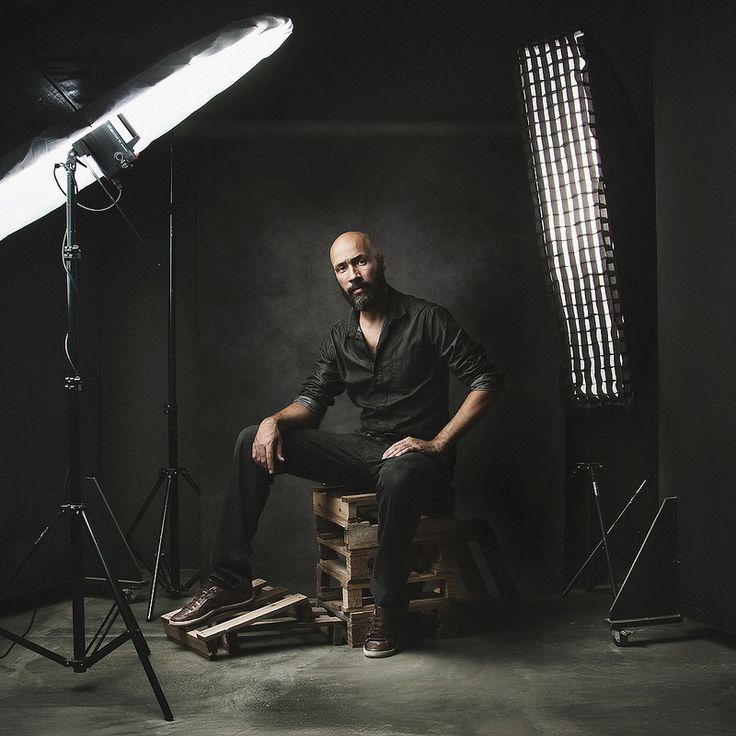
(372, 293)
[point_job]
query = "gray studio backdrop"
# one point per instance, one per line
(449, 210)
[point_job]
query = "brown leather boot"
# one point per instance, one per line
(211, 600)
(383, 633)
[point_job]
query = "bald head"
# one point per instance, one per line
(351, 242)
(358, 268)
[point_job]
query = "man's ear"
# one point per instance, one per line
(381, 261)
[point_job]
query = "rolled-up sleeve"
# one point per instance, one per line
(463, 356)
(319, 390)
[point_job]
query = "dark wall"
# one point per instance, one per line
(452, 232)
(696, 113)
(32, 372)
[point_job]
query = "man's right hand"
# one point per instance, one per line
(267, 445)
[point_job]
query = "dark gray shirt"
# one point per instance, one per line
(403, 388)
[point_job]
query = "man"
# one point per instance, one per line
(392, 355)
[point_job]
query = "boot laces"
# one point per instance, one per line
(380, 628)
(201, 596)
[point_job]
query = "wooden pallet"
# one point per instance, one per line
(274, 608)
(355, 594)
(354, 517)
(357, 622)
(347, 538)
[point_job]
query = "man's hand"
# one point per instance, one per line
(412, 444)
(267, 445)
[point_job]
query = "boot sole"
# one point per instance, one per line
(243, 605)
(377, 655)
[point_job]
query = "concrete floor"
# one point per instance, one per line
(549, 669)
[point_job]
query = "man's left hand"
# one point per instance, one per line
(412, 444)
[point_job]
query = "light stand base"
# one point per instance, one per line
(610, 529)
(86, 654)
(591, 467)
(648, 596)
(163, 574)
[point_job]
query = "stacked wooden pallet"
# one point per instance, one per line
(274, 609)
(347, 536)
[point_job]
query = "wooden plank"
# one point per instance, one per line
(331, 539)
(342, 509)
(432, 603)
(361, 499)
(301, 611)
(352, 599)
(358, 563)
(323, 619)
(361, 535)
(338, 570)
(246, 619)
(269, 594)
(179, 635)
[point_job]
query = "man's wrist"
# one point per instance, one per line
(440, 444)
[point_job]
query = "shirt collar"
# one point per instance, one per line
(396, 309)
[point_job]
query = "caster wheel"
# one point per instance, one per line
(620, 638)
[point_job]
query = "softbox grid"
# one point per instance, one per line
(573, 227)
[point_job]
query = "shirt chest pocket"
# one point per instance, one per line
(410, 367)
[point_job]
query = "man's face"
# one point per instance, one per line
(359, 272)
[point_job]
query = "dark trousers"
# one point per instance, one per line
(405, 487)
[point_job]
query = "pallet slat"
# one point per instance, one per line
(276, 610)
(347, 533)
(246, 619)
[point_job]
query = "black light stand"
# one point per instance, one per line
(603, 541)
(167, 571)
(84, 654)
(591, 467)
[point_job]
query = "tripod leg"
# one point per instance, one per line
(604, 535)
(585, 564)
(198, 491)
(34, 548)
(157, 564)
(131, 624)
(147, 503)
(192, 483)
(93, 481)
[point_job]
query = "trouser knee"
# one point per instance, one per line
(404, 478)
(244, 443)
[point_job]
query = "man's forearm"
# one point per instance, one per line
(293, 416)
(471, 410)
(268, 446)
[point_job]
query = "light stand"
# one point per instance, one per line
(591, 467)
(167, 572)
(84, 654)
(603, 541)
